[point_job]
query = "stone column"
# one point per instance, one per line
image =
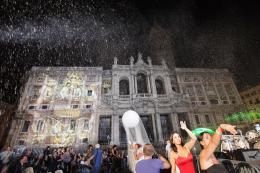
(195, 92)
(115, 129)
(136, 90)
(225, 91)
(159, 127)
(148, 84)
(132, 84)
(168, 85)
(93, 135)
(214, 85)
(153, 85)
(205, 94)
(154, 128)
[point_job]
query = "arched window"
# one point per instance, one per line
(124, 87)
(141, 83)
(159, 86)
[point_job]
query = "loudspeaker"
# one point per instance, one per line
(251, 155)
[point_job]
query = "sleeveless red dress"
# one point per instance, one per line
(185, 164)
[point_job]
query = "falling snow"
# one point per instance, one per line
(71, 33)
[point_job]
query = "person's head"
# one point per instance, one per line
(97, 146)
(204, 139)
(175, 140)
(148, 150)
(24, 159)
(90, 147)
(114, 147)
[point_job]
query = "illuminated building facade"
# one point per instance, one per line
(64, 106)
(251, 97)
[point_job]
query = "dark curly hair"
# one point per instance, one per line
(173, 146)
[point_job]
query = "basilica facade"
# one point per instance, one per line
(64, 106)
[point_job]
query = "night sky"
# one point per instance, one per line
(203, 33)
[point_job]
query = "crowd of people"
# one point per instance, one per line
(178, 157)
(65, 160)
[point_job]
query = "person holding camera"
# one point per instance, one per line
(150, 164)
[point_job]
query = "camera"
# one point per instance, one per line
(155, 156)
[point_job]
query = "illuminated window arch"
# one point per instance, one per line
(159, 84)
(141, 83)
(124, 87)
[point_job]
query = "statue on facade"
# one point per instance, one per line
(164, 63)
(140, 60)
(132, 60)
(115, 60)
(149, 61)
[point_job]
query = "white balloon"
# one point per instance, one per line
(130, 119)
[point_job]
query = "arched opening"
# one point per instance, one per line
(159, 86)
(141, 83)
(124, 87)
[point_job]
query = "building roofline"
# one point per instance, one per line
(202, 70)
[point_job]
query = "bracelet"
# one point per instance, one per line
(218, 133)
(220, 129)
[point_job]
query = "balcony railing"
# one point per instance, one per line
(144, 95)
(124, 97)
(199, 103)
(161, 96)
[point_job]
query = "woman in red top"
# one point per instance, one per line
(180, 155)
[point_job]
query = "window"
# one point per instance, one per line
(89, 92)
(105, 90)
(86, 125)
(173, 86)
(39, 126)
(250, 102)
(207, 118)
(159, 86)
(148, 125)
(88, 106)
(124, 87)
(36, 90)
(25, 126)
(257, 101)
(21, 142)
(225, 102)
(44, 106)
(213, 101)
(189, 90)
(104, 135)
(75, 106)
(141, 83)
(197, 119)
(31, 107)
(72, 125)
(166, 126)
